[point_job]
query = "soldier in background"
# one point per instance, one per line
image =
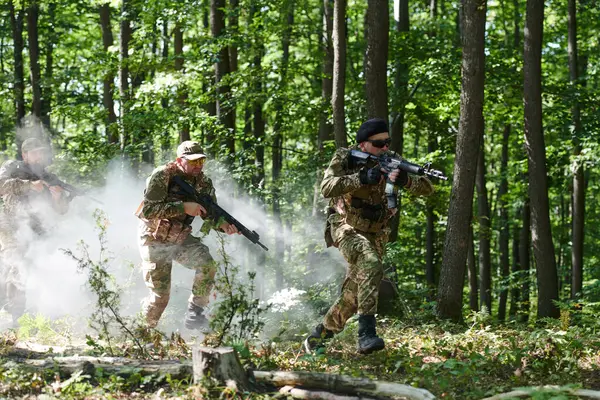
(166, 216)
(27, 192)
(357, 226)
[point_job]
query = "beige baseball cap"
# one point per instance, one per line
(32, 144)
(190, 150)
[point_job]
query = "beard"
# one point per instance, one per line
(38, 169)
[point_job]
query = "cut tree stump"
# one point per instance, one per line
(341, 384)
(221, 364)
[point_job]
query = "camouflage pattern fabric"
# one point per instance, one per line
(360, 239)
(20, 219)
(163, 206)
(156, 268)
(360, 290)
(163, 203)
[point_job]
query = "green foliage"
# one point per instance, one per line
(238, 316)
(106, 316)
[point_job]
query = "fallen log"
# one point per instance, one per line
(590, 394)
(310, 394)
(124, 367)
(341, 384)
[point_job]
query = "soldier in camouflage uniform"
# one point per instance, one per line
(357, 226)
(166, 216)
(26, 196)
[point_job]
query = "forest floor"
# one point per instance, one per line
(474, 360)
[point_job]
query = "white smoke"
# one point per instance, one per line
(55, 288)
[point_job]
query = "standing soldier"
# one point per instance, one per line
(27, 189)
(357, 226)
(166, 216)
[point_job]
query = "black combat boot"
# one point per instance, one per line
(194, 318)
(368, 341)
(316, 340)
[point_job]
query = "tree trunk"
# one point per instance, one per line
(543, 248)
(109, 77)
(430, 237)
(184, 129)
(16, 22)
(525, 258)
(34, 55)
(472, 269)
(259, 122)
(48, 71)
(485, 267)
(339, 73)
(578, 211)
(222, 68)
(516, 267)
(233, 23)
(401, 16)
(277, 151)
(504, 224)
(377, 38)
(468, 143)
(124, 72)
(325, 127)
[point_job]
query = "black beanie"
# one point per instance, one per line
(370, 128)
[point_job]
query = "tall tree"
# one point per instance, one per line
(524, 258)
(339, 73)
(401, 16)
(184, 129)
(543, 248)
(277, 150)
(470, 132)
(258, 119)
(399, 101)
(34, 55)
(222, 68)
(325, 127)
(50, 40)
(377, 38)
(108, 81)
(578, 210)
(485, 264)
(124, 71)
(504, 224)
(472, 274)
(16, 23)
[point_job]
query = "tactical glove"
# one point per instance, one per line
(402, 179)
(371, 176)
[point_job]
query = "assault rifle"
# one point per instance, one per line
(388, 164)
(74, 191)
(215, 212)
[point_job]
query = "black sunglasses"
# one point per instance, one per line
(380, 144)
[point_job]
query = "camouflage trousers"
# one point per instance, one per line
(360, 290)
(157, 261)
(13, 273)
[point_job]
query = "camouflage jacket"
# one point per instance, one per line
(162, 214)
(16, 191)
(364, 207)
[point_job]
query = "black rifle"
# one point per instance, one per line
(54, 181)
(388, 164)
(215, 212)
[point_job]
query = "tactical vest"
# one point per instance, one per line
(365, 209)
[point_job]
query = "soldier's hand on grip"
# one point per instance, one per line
(398, 177)
(371, 176)
(38, 186)
(229, 229)
(194, 209)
